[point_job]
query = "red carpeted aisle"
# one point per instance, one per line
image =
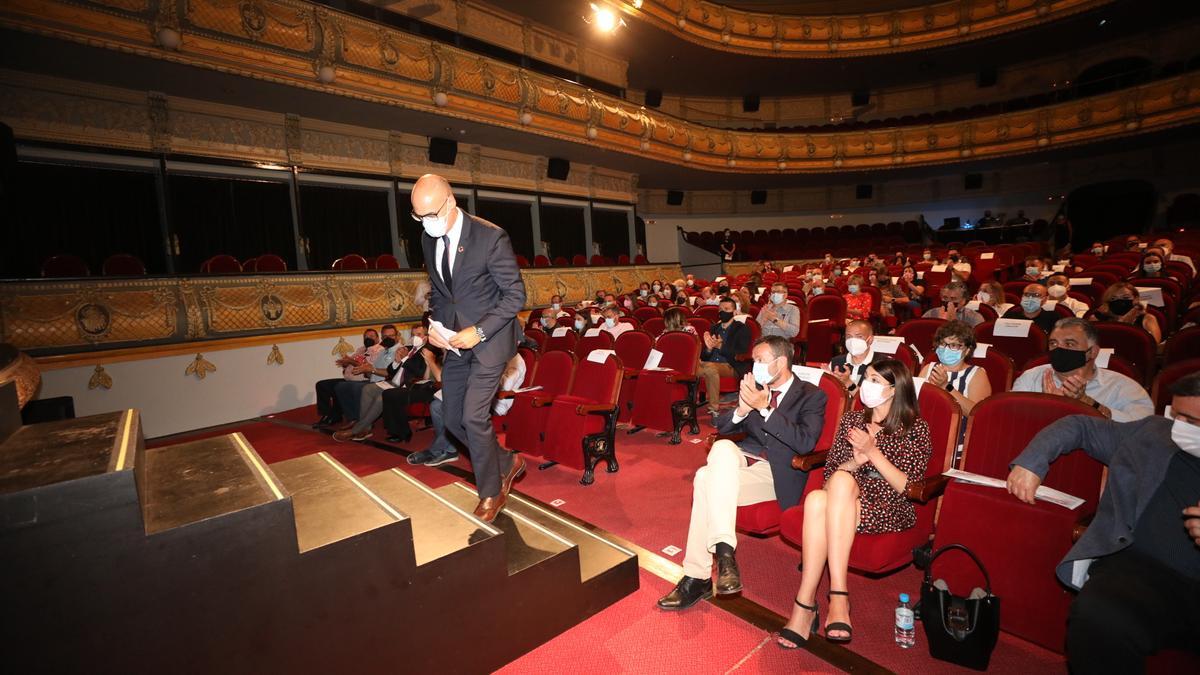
(648, 502)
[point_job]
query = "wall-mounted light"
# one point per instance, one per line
(604, 18)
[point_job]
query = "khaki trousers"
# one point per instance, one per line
(727, 481)
(712, 373)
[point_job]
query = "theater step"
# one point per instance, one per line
(527, 543)
(597, 555)
(330, 503)
(439, 527)
(195, 481)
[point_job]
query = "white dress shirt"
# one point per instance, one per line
(511, 382)
(1127, 400)
(455, 234)
(766, 412)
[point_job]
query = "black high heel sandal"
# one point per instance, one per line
(794, 637)
(844, 627)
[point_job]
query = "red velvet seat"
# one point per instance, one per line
(353, 262)
(387, 261)
(541, 261)
(640, 259)
(654, 325)
(123, 265)
(584, 345)
(1020, 349)
(1133, 344)
(643, 313)
(538, 336)
(1160, 392)
(560, 261)
(221, 264)
(1020, 544)
(699, 323)
(729, 385)
(578, 260)
(632, 347)
(522, 261)
(596, 261)
(269, 262)
(565, 341)
(65, 265)
(526, 421)
(581, 425)
(250, 264)
(826, 325)
(1182, 345)
(919, 332)
(764, 519)
(623, 259)
(658, 390)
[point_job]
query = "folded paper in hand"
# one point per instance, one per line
(440, 328)
(1043, 493)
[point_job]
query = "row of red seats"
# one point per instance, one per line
(69, 265)
(579, 260)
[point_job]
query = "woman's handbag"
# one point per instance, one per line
(960, 630)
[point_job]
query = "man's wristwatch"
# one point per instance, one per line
(479, 334)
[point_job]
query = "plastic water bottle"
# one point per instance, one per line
(905, 635)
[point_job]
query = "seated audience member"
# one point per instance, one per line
(610, 300)
(954, 306)
(987, 219)
(901, 259)
(778, 317)
(1072, 372)
(1032, 299)
(858, 303)
(643, 291)
(653, 301)
(1057, 287)
(1098, 249)
(827, 261)
(408, 365)
(1035, 269)
(690, 280)
(612, 322)
(782, 417)
(349, 392)
(927, 257)
(678, 292)
(954, 343)
(548, 320)
(1020, 219)
(415, 390)
(708, 296)
(991, 293)
(723, 342)
(1137, 566)
(913, 287)
(1151, 265)
(1133, 243)
(742, 299)
(442, 450)
(556, 303)
(1168, 248)
(814, 286)
(327, 401)
(1122, 303)
(581, 324)
(959, 264)
(893, 300)
(658, 288)
(675, 321)
(851, 367)
(876, 453)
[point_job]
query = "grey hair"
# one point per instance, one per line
(1086, 326)
(956, 286)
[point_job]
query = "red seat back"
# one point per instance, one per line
(269, 262)
(828, 306)
(387, 261)
(564, 342)
(681, 352)
(837, 402)
(222, 264)
(354, 261)
(1160, 392)
(919, 332)
(708, 313)
(994, 440)
(554, 373)
(598, 383)
(1131, 343)
(538, 336)
(944, 417)
(1021, 350)
(578, 260)
(123, 264)
(643, 313)
(654, 325)
(700, 323)
(530, 358)
(584, 346)
(633, 346)
(1183, 345)
(65, 265)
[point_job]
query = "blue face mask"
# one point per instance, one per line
(818, 290)
(762, 373)
(777, 298)
(949, 356)
(1031, 305)
(853, 288)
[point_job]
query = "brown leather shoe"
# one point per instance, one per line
(348, 425)
(343, 435)
(514, 472)
(490, 507)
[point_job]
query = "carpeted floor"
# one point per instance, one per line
(647, 502)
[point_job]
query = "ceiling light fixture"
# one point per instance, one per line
(604, 18)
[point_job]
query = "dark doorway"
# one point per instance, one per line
(1101, 211)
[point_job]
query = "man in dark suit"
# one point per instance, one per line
(477, 291)
(723, 343)
(1137, 566)
(781, 417)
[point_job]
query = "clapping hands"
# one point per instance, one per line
(937, 376)
(750, 397)
(1072, 387)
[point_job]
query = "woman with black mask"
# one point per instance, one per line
(1120, 303)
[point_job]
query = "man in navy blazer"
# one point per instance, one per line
(1137, 566)
(781, 419)
(477, 291)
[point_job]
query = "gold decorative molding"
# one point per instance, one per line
(71, 316)
(275, 357)
(100, 379)
(373, 63)
(200, 368)
(342, 349)
(729, 29)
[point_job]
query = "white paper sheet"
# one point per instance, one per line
(1081, 281)
(1043, 493)
(973, 305)
(895, 280)
(559, 332)
(652, 360)
(440, 328)
(1150, 295)
(1058, 268)
(808, 374)
(986, 256)
(789, 268)
(1003, 308)
(525, 389)
(918, 382)
(921, 274)
(1049, 305)
(1011, 328)
(741, 318)
(981, 350)
(887, 344)
(591, 332)
(1103, 357)
(600, 355)
(938, 268)
(818, 320)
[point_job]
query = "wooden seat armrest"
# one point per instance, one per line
(506, 394)
(675, 376)
(809, 462)
(1081, 526)
(926, 489)
(593, 409)
(542, 401)
(737, 437)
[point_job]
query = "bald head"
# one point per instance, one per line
(429, 195)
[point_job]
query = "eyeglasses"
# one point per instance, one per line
(420, 217)
(1036, 296)
(952, 345)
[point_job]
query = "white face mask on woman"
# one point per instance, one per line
(871, 393)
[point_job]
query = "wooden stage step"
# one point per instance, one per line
(38, 455)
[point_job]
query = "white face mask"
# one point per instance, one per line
(778, 298)
(985, 297)
(435, 226)
(871, 393)
(579, 324)
(762, 373)
(417, 341)
(856, 346)
(610, 322)
(1057, 291)
(1186, 436)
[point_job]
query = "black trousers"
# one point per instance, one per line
(1130, 607)
(396, 402)
(327, 402)
(468, 389)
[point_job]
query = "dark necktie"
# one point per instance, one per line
(774, 399)
(446, 263)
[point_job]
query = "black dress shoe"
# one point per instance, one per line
(399, 439)
(729, 579)
(686, 593)
(324, 421)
